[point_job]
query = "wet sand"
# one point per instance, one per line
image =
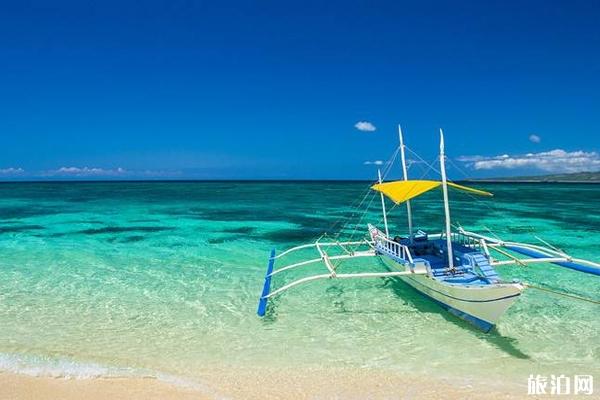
(231, 384)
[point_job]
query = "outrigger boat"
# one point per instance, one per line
(456, 269)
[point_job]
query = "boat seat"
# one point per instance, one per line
(459, 272)
(487, 270)
(466, 278)
(420, 236)
(400, 239)
(489, 273)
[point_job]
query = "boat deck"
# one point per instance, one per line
(433, 252)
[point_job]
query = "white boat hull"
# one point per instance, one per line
(480, 305)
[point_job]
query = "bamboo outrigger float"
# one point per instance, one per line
(455, 269)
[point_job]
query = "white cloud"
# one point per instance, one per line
(533, 138)
(557, 161)
(365, 126)
(376, 162)
(11, 171)
(85, 172)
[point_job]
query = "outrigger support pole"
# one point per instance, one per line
(537, 254)
(342, 276)
(387, 233)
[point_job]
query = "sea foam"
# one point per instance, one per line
(42, 366)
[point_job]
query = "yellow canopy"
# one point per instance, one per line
(401, 191)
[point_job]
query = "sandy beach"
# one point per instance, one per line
(231, 384)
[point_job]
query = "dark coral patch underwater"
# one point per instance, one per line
(124, 229)
(19, 228)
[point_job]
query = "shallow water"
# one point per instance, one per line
(102, 279)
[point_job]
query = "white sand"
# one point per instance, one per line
(242, 384)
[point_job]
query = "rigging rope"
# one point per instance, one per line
(354, 207)
(424, 162)
(386, 171)
(492, 207)
(368, 195)
(561, 293)
(358, 203)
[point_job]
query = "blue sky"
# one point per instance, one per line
(274, 89)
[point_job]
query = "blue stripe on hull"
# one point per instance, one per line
(566, 264)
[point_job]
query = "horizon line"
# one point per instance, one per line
(268, 180)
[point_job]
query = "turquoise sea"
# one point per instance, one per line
(119, 279)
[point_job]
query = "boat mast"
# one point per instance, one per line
(446, 206)
(387, 233)
(405, 173)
